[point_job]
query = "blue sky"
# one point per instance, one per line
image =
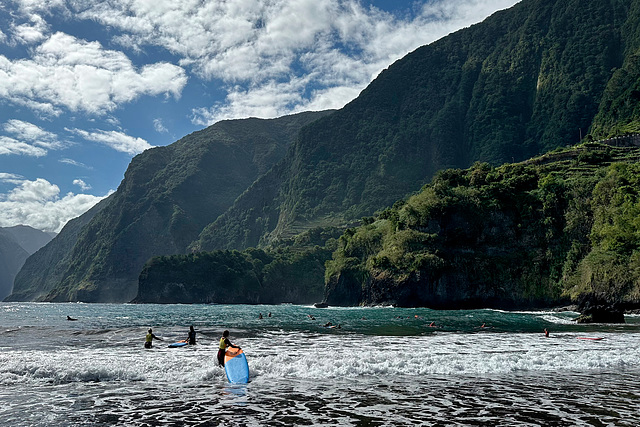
(86, 85)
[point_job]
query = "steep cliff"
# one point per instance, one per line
(524, 81)
(529, 234)
(43, 270)
(167, 196)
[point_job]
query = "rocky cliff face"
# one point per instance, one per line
(534, 234)
(167, 196)
(523, 82)
(254, 276)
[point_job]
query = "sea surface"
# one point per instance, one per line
(383, 367)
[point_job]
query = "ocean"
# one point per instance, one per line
(384, 366)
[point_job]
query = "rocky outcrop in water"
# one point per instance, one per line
(600, 309)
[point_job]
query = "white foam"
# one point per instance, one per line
(478, 354)
(316, 356)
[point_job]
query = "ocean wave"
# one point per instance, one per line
(475, 355)
(312, 357)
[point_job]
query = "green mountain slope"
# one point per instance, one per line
(167, 196)
(522, 235)
(524, 81)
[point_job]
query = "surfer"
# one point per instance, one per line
(260, 316)
(546, 333)
(70, 318)
(191, 339)
(148, 343)
(224, 344)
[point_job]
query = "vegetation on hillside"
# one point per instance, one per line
(523, 82)
(292, 273)
(526, 234)
(168, 195)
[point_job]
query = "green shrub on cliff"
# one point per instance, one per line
(518, 235)
(231, 277)
(612, 267)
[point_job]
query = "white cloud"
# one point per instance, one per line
(159, 126)
(12, 146)
(117, 140)
(250, 46)
(75, 163)
(11, 178)
(27, 139)
(31, 32)
(83, 185)
(66, 72)
(335, 46)
(35, 135)
(37, 204)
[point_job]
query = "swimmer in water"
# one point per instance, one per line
(224, 344)
(148, 342)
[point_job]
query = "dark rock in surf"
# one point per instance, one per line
(596, 309)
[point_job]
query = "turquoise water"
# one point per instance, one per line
(383, 366)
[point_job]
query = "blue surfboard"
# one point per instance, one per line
(178, 344)
(236, 366)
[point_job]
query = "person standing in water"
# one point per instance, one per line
(191, 339)
(148, 343)
(224, 344)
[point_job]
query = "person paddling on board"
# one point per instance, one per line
(191, 339)
(224, 344)
(70, 318)
(148, 343)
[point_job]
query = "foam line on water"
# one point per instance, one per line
(476, 355)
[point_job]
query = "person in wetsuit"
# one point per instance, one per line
(191, 339)
(224, 344)
(148, 343)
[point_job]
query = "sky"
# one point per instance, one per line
(85, 85)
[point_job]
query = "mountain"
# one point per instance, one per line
(43, 270)
(16, 244)
(524, 81)
(167, 196)
(30, 239)
(549, 230)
